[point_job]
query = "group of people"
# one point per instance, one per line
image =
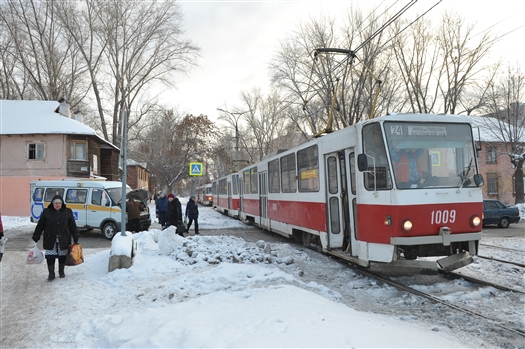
(169, 213)
(58, 226)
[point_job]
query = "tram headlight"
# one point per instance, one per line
(406, 225)
(475, 221)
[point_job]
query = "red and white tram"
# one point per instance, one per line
(226, 195)
(385, 190)
(204, 194)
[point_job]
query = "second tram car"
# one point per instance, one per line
(383, 191)
(204, 194)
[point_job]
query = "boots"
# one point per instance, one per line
(61, 266)
(51, 269)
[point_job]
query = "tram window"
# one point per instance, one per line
(288, 173)
(223, 183)
(352, 173)
(253, 180)
(334, 215)
(246, 181)
(378, 174)
(273, 176)
(308, 166)
(235, 185)
(332, 175)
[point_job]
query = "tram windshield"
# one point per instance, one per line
(427, 155)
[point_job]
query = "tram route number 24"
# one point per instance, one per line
(443, 217)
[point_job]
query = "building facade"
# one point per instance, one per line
(40, 140)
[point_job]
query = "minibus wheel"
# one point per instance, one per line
(109, 229)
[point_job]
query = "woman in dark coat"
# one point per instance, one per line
(174, 214)
(58, 225)
(192, 212)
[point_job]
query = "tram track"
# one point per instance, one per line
(500, 324)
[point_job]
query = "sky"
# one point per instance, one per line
(172, 298)
(239, 38)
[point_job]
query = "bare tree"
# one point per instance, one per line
(129, 47)
(172, 142)
(38, 59)
(506, 106)
(340, 84)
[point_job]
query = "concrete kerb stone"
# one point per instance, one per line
(122, 261)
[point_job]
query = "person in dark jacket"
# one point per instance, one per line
(161, 208)
(58, 225)
(174, 214)
(133, 208)
(192, 212)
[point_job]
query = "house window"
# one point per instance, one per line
(35, 151)
(77, 150)
(491, 154)
(492, 183)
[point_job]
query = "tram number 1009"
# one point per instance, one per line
(443, 217)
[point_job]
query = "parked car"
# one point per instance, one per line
(496, 212)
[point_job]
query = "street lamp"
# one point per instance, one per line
(236, 117)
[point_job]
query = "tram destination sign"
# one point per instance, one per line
(422, 130)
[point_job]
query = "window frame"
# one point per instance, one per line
(73, 146)
(492, 154)
(308, 169)
(36, 151)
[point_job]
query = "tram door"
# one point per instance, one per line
(229, 197)
(263, 199)
(242, 216)
(334, 201)
(350, 242)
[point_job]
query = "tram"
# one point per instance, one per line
(385, 191)
(204, 194)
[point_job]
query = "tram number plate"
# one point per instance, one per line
(443, 217)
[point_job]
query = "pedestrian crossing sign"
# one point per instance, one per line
(195, 168)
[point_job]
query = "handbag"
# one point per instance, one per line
(35, 256)
(74, 255)
(181, 228)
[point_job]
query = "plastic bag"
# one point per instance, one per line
(35, 256)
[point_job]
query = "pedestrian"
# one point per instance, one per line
(161, 207)
(174, 214)
(2, 239)
(192, 213)
(58, 225)
(133, 208)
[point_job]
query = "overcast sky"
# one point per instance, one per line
(239, 38)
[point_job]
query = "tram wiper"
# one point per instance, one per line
(464, 175)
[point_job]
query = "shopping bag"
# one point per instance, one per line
(35, 256)
(181, 228)
(74, 255)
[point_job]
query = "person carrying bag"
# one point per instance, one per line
(58, 225)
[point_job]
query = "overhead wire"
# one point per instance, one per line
(352, 52)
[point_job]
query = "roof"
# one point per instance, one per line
(490, 129)
(19, 117)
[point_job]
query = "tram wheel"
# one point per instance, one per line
(307, 237)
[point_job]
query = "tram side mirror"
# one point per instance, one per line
(362, 162)
(478, 179)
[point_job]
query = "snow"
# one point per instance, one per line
(222, 292)
(37, 117)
